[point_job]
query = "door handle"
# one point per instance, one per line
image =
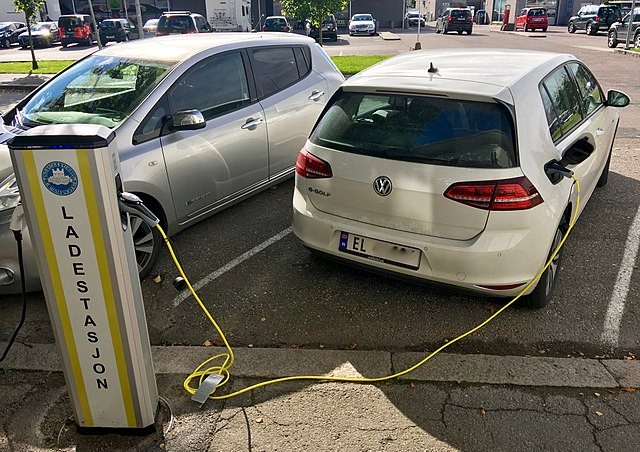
(600, 131)
(252, 123)
(316, 95)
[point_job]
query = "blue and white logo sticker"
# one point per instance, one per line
(59, 178)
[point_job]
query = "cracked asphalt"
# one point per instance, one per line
(397, 416)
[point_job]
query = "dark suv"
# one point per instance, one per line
(618, 31)
(116, 30)
(181, 22)
(329, 29)
(455, 19)
(9, 32)
(594, 18)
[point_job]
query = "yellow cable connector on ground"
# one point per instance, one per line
(204, 370)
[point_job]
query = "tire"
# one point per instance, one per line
(459, 32)
(147, 243)
(590, 30)
(468, 32)
(571, 28)
(544, 290)
(544, 30)
(612, 39)
(636, 40)
(6, 43)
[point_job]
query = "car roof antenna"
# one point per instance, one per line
(432, 69)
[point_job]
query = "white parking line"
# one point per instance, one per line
(611, 333)
(238, 260)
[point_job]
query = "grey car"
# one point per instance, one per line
(619, 30)
(202, 121)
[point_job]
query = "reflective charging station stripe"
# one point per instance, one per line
(54, 271)
(105, 281)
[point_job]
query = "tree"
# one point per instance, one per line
(314, 10)
(30, 8)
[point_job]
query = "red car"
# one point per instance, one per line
(534, 18)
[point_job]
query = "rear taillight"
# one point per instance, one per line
(450, 18)
(471, 19)
(311, 167)
(264, 28)
(286, 28)
(597, 18)
(509, 194)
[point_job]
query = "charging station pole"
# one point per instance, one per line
(69, 180)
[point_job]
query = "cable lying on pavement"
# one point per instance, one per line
(212, 376)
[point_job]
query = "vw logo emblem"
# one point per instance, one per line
(382, 186)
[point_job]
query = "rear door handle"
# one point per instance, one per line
(252, 123)
(316, 95)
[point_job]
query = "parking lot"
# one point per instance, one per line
(266, 290)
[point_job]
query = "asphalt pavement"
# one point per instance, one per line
(452, 402)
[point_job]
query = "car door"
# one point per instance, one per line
(521, 19)
(292, 96)
(208, 167)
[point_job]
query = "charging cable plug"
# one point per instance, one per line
(555, 171)
(17, 221)
(133, 205)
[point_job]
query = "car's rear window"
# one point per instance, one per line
(275, 23)
(457, 13)
(419, 129)
(69, 22)
(110, 25)
(537, 12)
(176, 24)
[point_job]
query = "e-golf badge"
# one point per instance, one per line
(59, 178)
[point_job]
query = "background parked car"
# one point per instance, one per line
(594, 18)
(43, 34)
(276, 23)
(10, 31)
(362, 24)
(182, 22)
(406, 175)
(455, 19)
(188, 150)
(618, 30)
(150, 27)
(329, 29)
(413, 18)
(534, 18)
(76, 28)
(117, 30)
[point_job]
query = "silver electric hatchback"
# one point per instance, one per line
(201, 121)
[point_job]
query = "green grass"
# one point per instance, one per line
(348, 65)
(44, 67)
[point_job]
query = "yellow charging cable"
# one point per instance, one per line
(202, 371)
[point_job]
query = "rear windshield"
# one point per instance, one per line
(419, 129)
(69, 22)
(110, 25)
(177, 24)
(460, 13)
(537, 12)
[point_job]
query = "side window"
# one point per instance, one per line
(196, 90)
(552, 115)
(564, 96)
(590, 91)
(151, 126)
(302, 61)
(276, 68)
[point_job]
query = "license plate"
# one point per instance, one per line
(379, 251)
(110, 36)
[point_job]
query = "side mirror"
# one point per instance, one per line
(188, 120)
(578, 152)
(617, 99)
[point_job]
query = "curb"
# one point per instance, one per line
(261, 363)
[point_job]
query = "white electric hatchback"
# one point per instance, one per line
(448, 166)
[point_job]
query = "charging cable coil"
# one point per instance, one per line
(207, 368)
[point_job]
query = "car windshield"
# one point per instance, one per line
(457, 13)
(537, 12)
(96, 90)
(40, 27)
(110, 25)
(419, 129)
(362, 17)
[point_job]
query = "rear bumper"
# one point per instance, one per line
(511, 250)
